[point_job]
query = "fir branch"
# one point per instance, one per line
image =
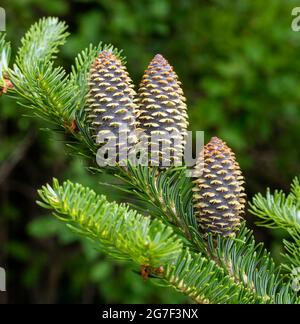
(279, 210)
(45, 91)
(246, 262)
(276, 210)
(126, 235)
(232, 271)
(295, 191)
(40, 44)
(40, 85)
(115, 229)
(201, 280)
(250, 264)
(48, 90)
(166, 193)
(293, 250)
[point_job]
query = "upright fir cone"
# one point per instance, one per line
(219, 198)
(112, 107)
(162, 116)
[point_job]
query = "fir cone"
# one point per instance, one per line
(219, 198)
(111, 104)
(162, 116)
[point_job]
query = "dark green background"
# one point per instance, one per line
(240, 68)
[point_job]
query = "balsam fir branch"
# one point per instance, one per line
(125, 235)
(214, 269)
(35, 45)
(40, 85)
(279, 210)
(200, 279)
(250, 264)
(117, 230)
(244, 261)
(167, 195)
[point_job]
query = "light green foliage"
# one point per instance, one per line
(282, 211)
(35, 47)
(42, 86)
(117, 230)
(249, 263)
(164, 193)
(240, 272)
(205, 283)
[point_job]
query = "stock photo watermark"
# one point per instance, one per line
(295, 25)
(2, 280)
(157, 148)
(2, 19)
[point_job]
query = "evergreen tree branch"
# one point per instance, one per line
(282, 211)
(166, 193)
(250, 264)
(40, 85)
(244, 261)
(204, 282)
(117, 230)
(40, 44)
(293, 250)
(126, 235)
(276, 210)
(237, 269)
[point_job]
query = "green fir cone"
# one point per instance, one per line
(162, 117)
(111, 104)
(219, 198)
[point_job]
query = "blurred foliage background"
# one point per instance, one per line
(240, 68)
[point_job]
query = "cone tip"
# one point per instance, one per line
(159, 58)
(215, 139)
(107, 53)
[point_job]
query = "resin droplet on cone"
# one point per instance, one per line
(162, 116)
(219, 198)
(111, 106)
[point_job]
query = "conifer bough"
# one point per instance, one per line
(111, 108)
(219, 193)
(237, 271)
(162, 114)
